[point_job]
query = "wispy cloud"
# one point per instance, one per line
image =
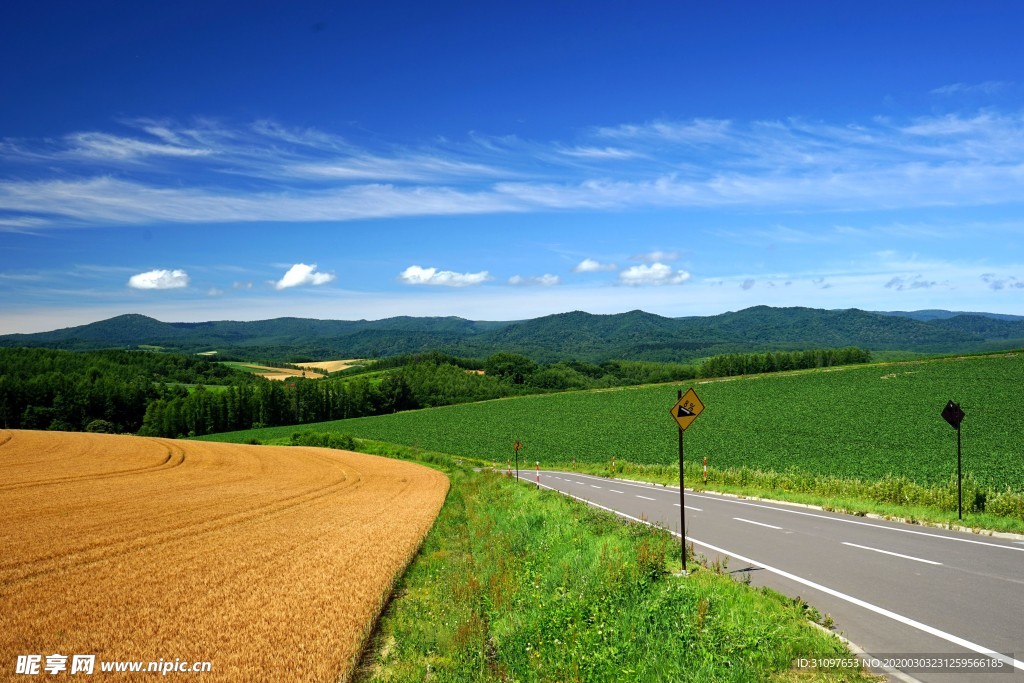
(613, 153)
(697, 131)
(997, 283)
(302, 274)
(656, 256)
(418, 168)
(985, 88)
(903, 283)
(267, 172)
(159, 279)
(417, 275)
(100, 146)
(545, 280)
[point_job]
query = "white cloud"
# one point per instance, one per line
(657, 256)
(545, 280)
(589, 265)
(416, 275)
(159, 279)
(654, 274)
(302, 274)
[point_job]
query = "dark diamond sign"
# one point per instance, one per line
(953, 414)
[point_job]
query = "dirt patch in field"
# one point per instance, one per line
(269, 562)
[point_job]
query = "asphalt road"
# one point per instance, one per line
(893, 589)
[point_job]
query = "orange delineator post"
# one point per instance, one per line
(538, 474)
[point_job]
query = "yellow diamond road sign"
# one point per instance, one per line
(687, 409)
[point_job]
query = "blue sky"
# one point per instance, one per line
(217, 160)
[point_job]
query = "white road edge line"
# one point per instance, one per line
(869, 524)
(750, 521)
(949, 637)
(811, 514)
(889, 552)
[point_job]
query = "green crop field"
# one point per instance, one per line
(858, 422)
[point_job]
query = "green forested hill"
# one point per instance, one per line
(97, 390)
(577, 335)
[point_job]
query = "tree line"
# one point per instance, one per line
(97, 390)
(753, 363)
(172, 395)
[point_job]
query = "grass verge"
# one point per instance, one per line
(518, 584)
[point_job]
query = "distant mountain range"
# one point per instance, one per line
(577, 335)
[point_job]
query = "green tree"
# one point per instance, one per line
(511, 366)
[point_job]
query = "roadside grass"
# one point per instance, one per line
(518, 584)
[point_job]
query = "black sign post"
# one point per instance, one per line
(684, 412)
(682, 507)
(954, 415)
(516, 446)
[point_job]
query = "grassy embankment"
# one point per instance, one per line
(867, 439)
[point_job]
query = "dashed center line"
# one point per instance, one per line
(693, 508)
(750, 521)
(594, 486)
(889, 552)
(614, 491)
(644, 497)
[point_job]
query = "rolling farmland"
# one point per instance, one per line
(857, 422)
(331, 365)
(269, 562)
(269, 372)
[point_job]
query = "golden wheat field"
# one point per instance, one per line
(269, 562)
